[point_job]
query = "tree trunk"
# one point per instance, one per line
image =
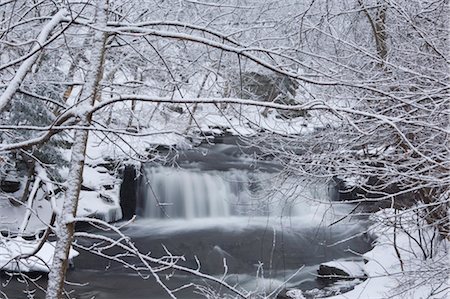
(380, 31)
(379, 28)
(65, 224)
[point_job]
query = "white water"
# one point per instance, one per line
(214, 216)
(171, 193)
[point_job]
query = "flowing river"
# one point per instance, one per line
(232, 218)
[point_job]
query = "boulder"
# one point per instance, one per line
(341, 270)
(128, 194)
(9, 185)
(329, 272)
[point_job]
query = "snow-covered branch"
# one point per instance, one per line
(26, 66)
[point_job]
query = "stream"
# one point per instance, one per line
(229, 216)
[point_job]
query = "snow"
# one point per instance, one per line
(421, 278)
(295, 294)
(11, 249)
(91, 204)
(93, 178)
(11, 216)
(100, 203)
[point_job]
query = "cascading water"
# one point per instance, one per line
(169, 193)
(253, 228)
(175, 193)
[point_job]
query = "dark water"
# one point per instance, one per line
(263, 252)
(280, 249)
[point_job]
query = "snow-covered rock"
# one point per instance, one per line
(295, 294)
(12, 249)
(342, 269)
(101, 197)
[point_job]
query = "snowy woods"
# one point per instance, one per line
(354, 92)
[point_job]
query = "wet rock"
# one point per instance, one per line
(341, 270)
(106, 198)
(85, 188)
(9, 185)
(128, 193)
(329, 272)
(176, 109)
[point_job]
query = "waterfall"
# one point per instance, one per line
(167, 192)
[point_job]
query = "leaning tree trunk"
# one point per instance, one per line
(25, 67)
(65, 224)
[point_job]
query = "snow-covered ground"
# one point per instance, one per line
(421, 277)
(405, 263)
